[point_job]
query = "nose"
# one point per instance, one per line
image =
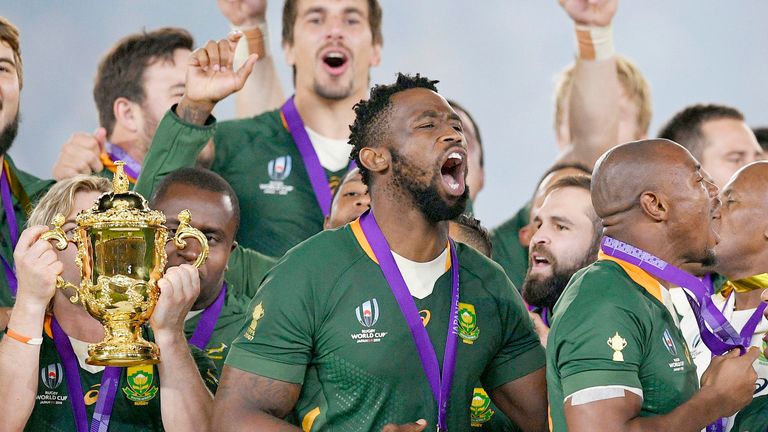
(540, 235)
(334, 29)
(363, 200)
(712, 189)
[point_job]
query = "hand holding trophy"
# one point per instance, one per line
(121, 256)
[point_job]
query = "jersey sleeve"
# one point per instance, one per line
(598, 343)
(176, 145)
(521, 352)
(277, 337)
(247, 268)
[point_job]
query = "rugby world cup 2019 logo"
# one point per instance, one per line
(51, 375)
(669, 343)
(279, 168)
(368, 313)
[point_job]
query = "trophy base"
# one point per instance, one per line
(124, 355)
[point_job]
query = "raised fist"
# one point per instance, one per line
(244, 13)
(80, 154)
(598, 13)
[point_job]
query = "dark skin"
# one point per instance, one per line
(350, 201)
(425, 129)
(645, 191)
(213, 214)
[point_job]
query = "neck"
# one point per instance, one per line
(743, 266)
(75, 321)
(747, 300)
(648, 243)
(131, 145)
(408, 233)
(329, 118)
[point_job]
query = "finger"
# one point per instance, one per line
(212, 49)
(39, 248)
(200, 59)
(234, 36)
(751, 355)
(246, 69)
(28, 238)
(225, 55)
(732, 354)
(101, 137)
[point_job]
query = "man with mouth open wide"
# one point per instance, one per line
(617, 359)
(283, 164)
(397, 322)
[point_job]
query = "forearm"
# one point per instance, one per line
(185, 402)
(524, 401)
(19, 367)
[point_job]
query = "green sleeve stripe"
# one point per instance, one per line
(517, 367)
(249, 362)
(595, 378)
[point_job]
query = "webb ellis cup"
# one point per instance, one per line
(121, 255)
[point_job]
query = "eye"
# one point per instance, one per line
(561, 227)
(353, 21)
(351, 194)
(427, 126)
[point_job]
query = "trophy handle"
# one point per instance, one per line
(61, 242)
(185, 231)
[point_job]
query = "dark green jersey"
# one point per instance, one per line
(26, 190)
(326, 309)
(753, 418)
(246, 269)
(610, 328)
(507, 250)
(137, 400)
(258, 157)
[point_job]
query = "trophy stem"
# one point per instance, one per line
(122, 346)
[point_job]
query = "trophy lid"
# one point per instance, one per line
(121, 207)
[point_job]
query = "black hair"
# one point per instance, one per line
(370, 116)
(761, 133)
(684, 127)
(457, 106)
(200, 178)
(475, 233)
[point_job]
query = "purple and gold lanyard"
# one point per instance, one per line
(315, 171)
(116, 153)
(208, 319)
(440, 385)
(722, 338)
(13, 228)
(110, 380)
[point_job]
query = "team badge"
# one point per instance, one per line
(141, 386)
(278, 169)
(51, 375)
(258, 313)
(468, 329)
(368, 313)
(92, 396)
(669, 343)
(617, 343)
(425, 316)
(480, 409)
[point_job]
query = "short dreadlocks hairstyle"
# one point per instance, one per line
(371, 116)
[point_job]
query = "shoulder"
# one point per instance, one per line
(268, 124)
(476, 267)
(509, 228)
(33, 185)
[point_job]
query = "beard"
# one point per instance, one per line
(426, 198)
(8, 135)
(544, 291)
(333, 92)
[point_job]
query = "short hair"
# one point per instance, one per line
(456, 106)
(761, 134)
(291, 11)
(60, 198)
(684, 127)
(370, 126)
(475, 233)
(9, 34)
(631, 79)
(200, 178)
(581, 181)
(121, 70)
(564, 165)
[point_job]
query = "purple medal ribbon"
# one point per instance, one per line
(110, 380)
(722, 338)
(441, 386)
(208, 319)
(13, 228)
(132, 167)
(315, 171)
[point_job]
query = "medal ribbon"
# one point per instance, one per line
(208, 319)
(440, 385)
(110, 380)
(722, 337)
(132, 167)
(13, 228)
(315, 171)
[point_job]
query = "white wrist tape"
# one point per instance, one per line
(594, 43)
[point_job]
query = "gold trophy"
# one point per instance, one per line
(121, 255)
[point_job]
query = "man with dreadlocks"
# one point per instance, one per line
(373, 311)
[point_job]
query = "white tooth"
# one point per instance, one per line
(335, 55)
(455, 155)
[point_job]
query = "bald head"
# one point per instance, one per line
(623, 173)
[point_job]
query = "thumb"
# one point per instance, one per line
(101, 137)
(751, 355)
(417, 426)
(246, 69)
(734, 353)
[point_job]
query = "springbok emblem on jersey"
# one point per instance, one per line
(368, 313)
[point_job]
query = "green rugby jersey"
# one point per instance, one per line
(507, 250)
(258, 157)
(246, 269)
(611, 327)
(137, 400)
(26, 190)
(326, 309)
(753, 417)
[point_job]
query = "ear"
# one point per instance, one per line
(127, 115)
(234, 246)
(525, 234)
(376, 56)
(655, 205)
(375, 159)
(327, 223)
(290, 55)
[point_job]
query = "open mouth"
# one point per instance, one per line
(540, 261)
(335, 61)
(452, 172)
